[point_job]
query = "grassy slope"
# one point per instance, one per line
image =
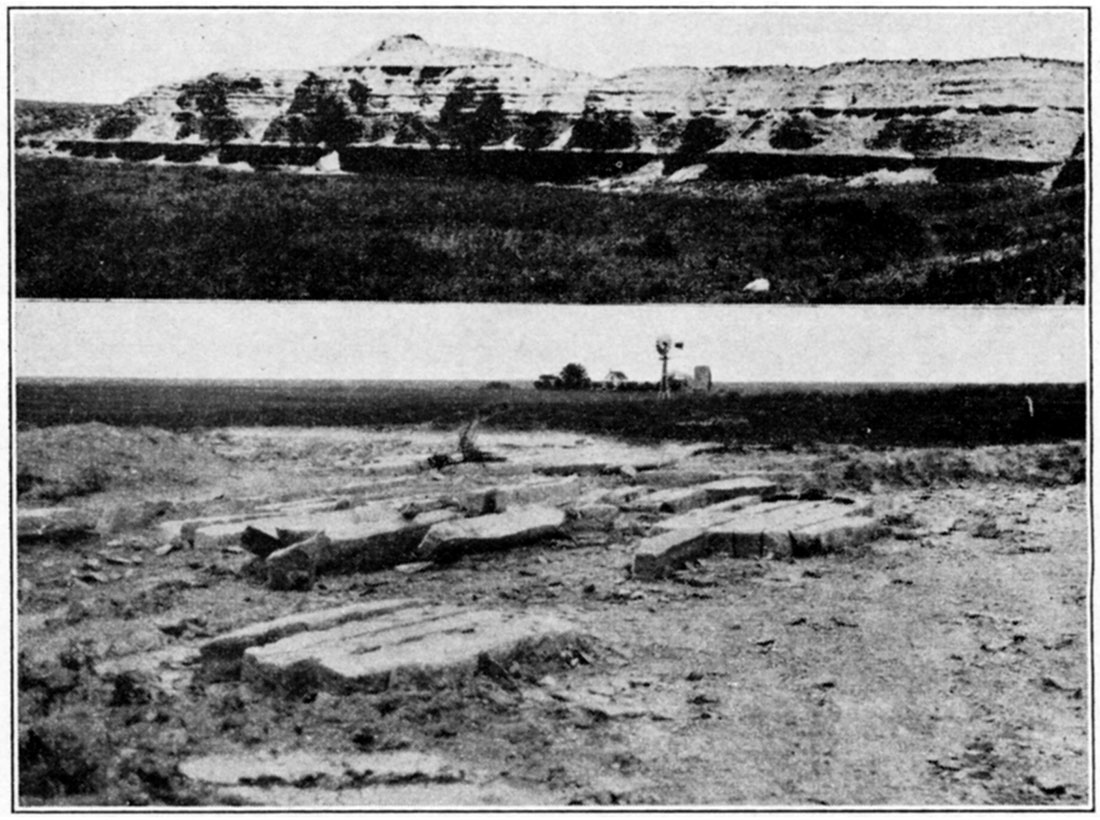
(88, 230)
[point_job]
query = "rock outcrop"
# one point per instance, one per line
(489, 109)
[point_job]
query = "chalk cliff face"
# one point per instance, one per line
(407, 92)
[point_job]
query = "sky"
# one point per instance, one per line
(109, 56)
(363, 340)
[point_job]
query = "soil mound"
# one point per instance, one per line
(80, 459)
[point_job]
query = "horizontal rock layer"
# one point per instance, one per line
(405, 92)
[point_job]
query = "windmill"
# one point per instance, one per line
(664, 348)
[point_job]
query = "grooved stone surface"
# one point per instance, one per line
(783, 528)
(222, 655)
(410, 645)
(710, 516)
(766, 528)
(514, 527)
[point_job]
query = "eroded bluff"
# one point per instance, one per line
(491, 108)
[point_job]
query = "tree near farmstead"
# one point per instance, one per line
(575, 377)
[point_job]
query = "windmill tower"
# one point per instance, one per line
(664, 348)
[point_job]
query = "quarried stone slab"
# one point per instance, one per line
(834, 535)
(674, 500)
(300, 766)
(422, 646)
(677, 478)
(221, 657)
(705, 517)
(593, 517)
(498, 499)
(515, 527)
(53, 523)
(664, 553)
(766, 528)
(372, 546)
(729, 488)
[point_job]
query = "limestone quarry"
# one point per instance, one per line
(318, 618)
(513, 115)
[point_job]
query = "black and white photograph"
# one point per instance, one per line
(550, 408)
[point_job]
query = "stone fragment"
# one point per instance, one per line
(221, 657)
(422, 647)
(661, 554)
(261, 540)
(450, 540)
(295, 567)
(593, 517)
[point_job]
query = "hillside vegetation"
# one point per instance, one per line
(127, 231)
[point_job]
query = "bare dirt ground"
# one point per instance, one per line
(944, 664)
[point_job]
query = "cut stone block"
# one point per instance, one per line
(515, 527)
(677, 478)
(834, 535)
(675, 500)
(663, 553)
(221, 657)
(705, 517)
(614, 463)
(299, 766)
(498, 499)
(766, 528)
(60, 523)
(375, 545)
(417, 647)
(729, 488)
(593, 517)
(295, 567)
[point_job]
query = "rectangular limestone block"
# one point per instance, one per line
(589, 517)
(765, 528)
(834, 535)
(419, 647)
(677, 478)
(661, 554)
(729, 488)
(703, 518)
(221, 657)
(512, 528)
(498, 499)
(377, 545)
(674, 500)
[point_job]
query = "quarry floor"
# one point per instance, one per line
(945, 664)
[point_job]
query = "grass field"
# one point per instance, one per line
(92, 230)
(911, 416)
